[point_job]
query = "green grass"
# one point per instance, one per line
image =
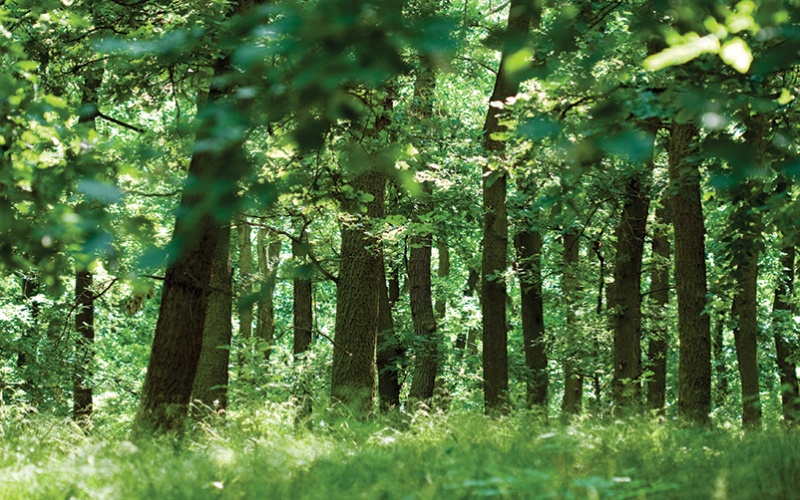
(257, 454)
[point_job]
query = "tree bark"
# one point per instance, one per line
(718, 344)
(626, 307)
(745, 305)
(573, 378)
(210, 389)
(528, 244)
(357, 302)
(389, 352)
(302, 294)
(782, 311)
(84, 350)
(269, 255)
(659, 299)
(495, 227)
(184, 298)
(694, 371)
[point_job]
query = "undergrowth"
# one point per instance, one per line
(258, 453)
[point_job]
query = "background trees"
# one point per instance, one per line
(351, 147)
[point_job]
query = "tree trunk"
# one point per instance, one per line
(84, 350)
(469, 339)
(659, 299)
(573, 378)
(694, 371)
(184, 298)
(495, 226)
(269, 256)
(302, 293)
(626, 307)
(745, 306)
(357, 302)
(719, 361)
(782, 311)
(245, 288)
(443, 272)
(528, 244)
(389, 352)
(210, 389)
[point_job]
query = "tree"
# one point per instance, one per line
(494, 264)
(268, 248)
(573, 378)
(694, 369)
(659, 298)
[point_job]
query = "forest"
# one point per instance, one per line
(399, 249)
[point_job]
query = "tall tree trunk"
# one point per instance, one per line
(82, 393)
(745, 305)
(495, 226)
(184, 298)
(357, 302)
(245, 288)
(210, 389)
(389, 353)
(782, 310)
(469, 339)
(84, 349)
(659, 299)
(528, 244)
(269, 255)
(627, 296)
(694, 370)
(718, 344)
(573, 378)
(302, 297)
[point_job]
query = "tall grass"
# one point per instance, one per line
(257, 453)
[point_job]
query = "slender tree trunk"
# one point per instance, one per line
(389, 353)
(82, 393)
(495, 227)
(719, 360)
(627, 296)
(745, 305)
(573, 378)
(694, 371)
(782, 310)
(469, 339)
(84, 349)
(210, 389)
(269, 255)
(357, 302)
(528, 244)
(659, 299)
(302, 293)
(245, 288)
(422, 315)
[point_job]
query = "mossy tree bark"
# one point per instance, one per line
(210, 389)
(694, 370)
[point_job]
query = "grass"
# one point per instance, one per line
(258, 454)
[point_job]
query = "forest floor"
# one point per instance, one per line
(259, 454)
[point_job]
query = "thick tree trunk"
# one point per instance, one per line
(210, 389)
(694, 371)
(357, 303)
(184, 298)
(659, 299)
(495, 226)
(627, 297)
(782, 310)
(528, 244)
(84, 349)
(573, 378)
(269, 255)
(423, 318)
(245, 285)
